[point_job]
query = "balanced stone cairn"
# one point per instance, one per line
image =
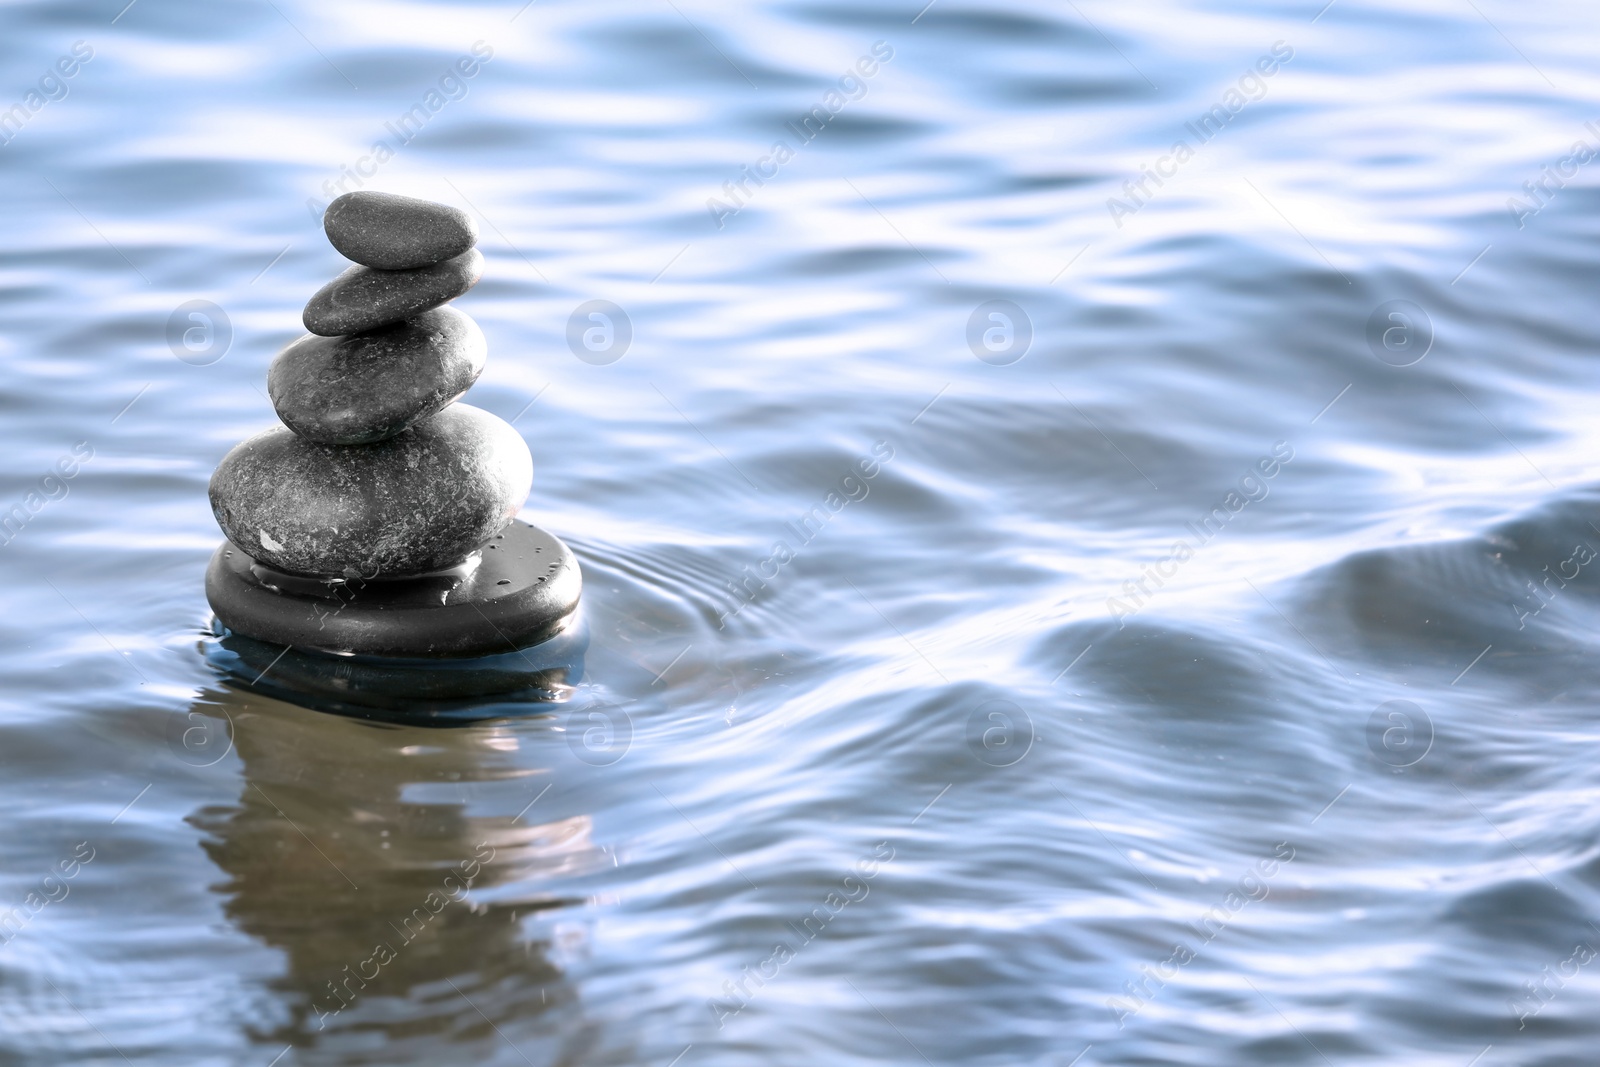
(379, 518)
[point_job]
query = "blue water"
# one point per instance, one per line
(1205, 674)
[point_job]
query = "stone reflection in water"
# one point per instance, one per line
(411, 691)
(400, 915)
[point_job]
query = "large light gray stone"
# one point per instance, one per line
(417, 502)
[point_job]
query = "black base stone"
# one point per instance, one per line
(520, 590)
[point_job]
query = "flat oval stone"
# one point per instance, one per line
(393, 232)
(363, 299)
(367, 387)
(418, 502)
(523, 588)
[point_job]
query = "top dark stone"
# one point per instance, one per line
(392, 232)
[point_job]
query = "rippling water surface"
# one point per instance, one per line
(1194, 664)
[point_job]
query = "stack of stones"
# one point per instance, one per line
(379, 473)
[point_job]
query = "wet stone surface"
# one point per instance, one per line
(420, 501)
(363, 299)
(521, 588)
(371, 386)
(392, 232)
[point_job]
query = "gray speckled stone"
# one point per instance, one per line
(418, 502)
(370, 386)
(393, 232)
(363, 299)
